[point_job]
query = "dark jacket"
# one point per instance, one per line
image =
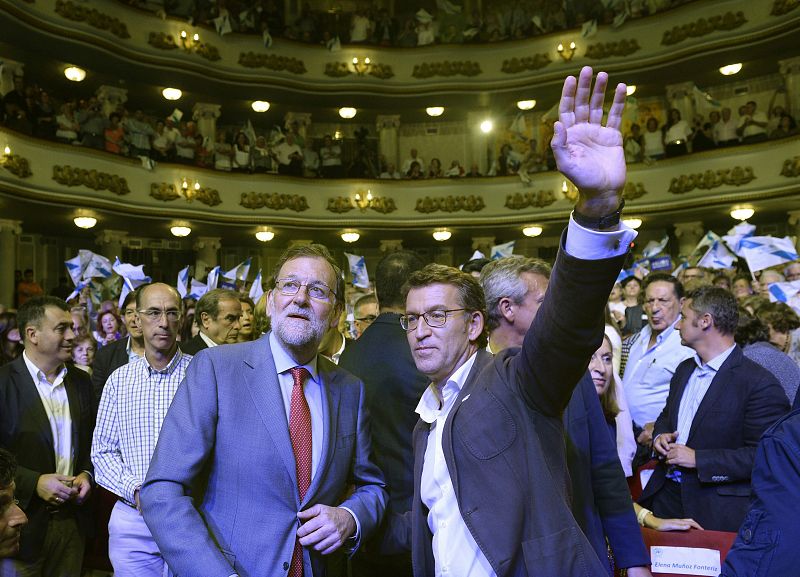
(767, 543)
(601, 500)
(742, 402)
(503, 440)
(108, 359)
(193, 345)
(25, 432)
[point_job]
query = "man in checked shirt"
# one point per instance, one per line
(133, 406)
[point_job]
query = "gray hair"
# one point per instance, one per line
(502, 279)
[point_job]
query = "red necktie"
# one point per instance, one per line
(300, 434)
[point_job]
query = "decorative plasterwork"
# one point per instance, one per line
(272, 62)
(337, 69)
(609, 49)
(446, 68)
(71, 176)
(342, 204)
(451, 203)
(520, 200)
(791, 167)
(162, 40)
(515, 65)
(632, 191)
(703, 26)
(737, 176)
(92, 17)
(167, 192)
(17, 165)
(274, 201)
(781, 7)
(166, 41)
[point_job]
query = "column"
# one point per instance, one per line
(391, 245)
(9, 231)
(680, 96)
(688, 235)
(111, 243)
(794, 221)
(480, 149)
(790, 68)
(8, 70)
(303, 120)
(207, 249)
(111, 97)
(483, 244)
(205, 115)
(388, 126)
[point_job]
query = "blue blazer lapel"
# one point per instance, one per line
(683, 379)
(261, 379)
(715, 394)
(331, 396)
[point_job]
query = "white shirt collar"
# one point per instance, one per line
(207, 340)
(435, 402)
(284, 361)
(38, 375)
(715, 363)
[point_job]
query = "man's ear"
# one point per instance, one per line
(506, 309)
(204, 318)
(475, 323)
(31, 334)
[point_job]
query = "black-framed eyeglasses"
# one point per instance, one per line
(316, 290)
(436, 318)
(154, 315)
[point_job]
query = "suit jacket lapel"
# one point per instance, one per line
(676, 403)
(29, 395)
(715, 390)
(331, 398)
(73, 397)
(261, 379)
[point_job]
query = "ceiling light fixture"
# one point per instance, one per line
(630, 90)
(75, 74)
(633, 223)
(347, 112)
(171, 93)
(84, 222)
(442, 234)
(532, 230)
(435, 110)
(742, 212)
(260, 105)
(526, 104)
(265, 235)
(731, 69)
(487, 126)
(350, 236)
(181, 229)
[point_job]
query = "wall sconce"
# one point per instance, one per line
(361, 66)
(350, 236)
(442, 235)
(181, 229)
(742, 213)
(85, 222)
(188, 190)
(566, 53)
(187, 43)
(363, 202)
(532, 230)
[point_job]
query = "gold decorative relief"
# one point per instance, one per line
(71, 176)
(337, 69)
(781, 7)
(17, 165)
(519, 200)
(702, 27)
(92, 17)
(162, 41)
(609, 49)
(632, 191)
(274, 201)
(164, 191)
(469, 203)
(791, 167)
(709, 179)
(208, 196)
(516, 65)
(446, 68)
(272, 62)
(382, 71)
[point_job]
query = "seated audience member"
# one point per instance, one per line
(391, 173)
(67, 126)
(12, 517)
(83, 349)
(455, 170)
(330, 154)
(676, 135)
(114, 135)
(365, 311)
(415, 172)
(753, 336)
(634, 145)
(720, 403)
(412, 159)
(474, 171)
(653, 140)
(786, 127)
(108, 328)
(435, 168)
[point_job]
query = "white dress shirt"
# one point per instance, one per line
(207, 340)
(455, 551)
(56, 405)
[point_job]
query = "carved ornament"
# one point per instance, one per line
(609, 49)
(781, 7)
(382, 71)
(703, 26)
(17, 165)
(71, 176)
(632, 191)
(540, 199)
(446, 68)
(167, 192)
(791, 167)
(515, 65)
(342, 204)
(469, 203)
(274, 201)
(92, 17)
(337, 69)
(709, 179)
(272, 62)
(162, 40)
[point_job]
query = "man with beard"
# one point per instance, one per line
(263, 464)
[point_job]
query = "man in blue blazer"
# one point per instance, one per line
(233, 490)
(719, 405)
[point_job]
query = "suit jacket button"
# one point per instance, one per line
(285, 566)
(747, 535)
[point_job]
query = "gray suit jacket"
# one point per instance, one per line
(227, 431)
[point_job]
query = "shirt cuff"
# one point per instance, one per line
(355, 539)
(588, 244)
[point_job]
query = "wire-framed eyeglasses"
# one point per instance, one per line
(316, 290)
(435, 318)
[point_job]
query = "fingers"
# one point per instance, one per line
(598, 97)
(309, 513)
(694, 524)
(582, 94)
(559, 139)
(566, 107)
(614, 119)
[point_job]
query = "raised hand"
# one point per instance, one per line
(586, 152)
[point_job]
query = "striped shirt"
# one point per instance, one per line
(133, 406)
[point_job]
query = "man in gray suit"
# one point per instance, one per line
(233, 490)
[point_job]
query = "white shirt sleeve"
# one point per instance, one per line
(587, 244)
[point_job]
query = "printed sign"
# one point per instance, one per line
(685, 561)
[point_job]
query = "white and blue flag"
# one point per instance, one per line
(240, 271)
(257, 290)
(762, 252)
(735, 236)
(197, 289)
(786, 292)
(358, 268)
(132, 277)
(183, 281)
(502, 250)
(213, 278)
(717, 257)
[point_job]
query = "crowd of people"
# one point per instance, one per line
(405, 26)
(507, 411)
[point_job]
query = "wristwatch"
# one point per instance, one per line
(605, 221)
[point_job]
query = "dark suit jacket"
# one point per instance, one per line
(108, 359)
(743, 401)
(503, 440)
(25, 431)
(767, 543)
(601, 500)
(193, 345)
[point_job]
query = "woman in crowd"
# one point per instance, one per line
(784, 328)
(676, 134)
(415, 171)
(653, 140)
(83, 349)
(455, 170)
(241, 153)
(108, 328)
(616, 305)
(115, 135)
(741, 287)
(10, 345)
(786, 127)
(246, 325)
(435, 168)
